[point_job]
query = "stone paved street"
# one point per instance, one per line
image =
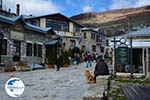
(66, 84)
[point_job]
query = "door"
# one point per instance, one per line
(137, 59)
(16, 50)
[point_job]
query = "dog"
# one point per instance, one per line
(89, 77)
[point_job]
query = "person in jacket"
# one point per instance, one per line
(101, 68)
(59, 61)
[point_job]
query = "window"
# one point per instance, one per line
(97, 38)
(39, 50)
(102, 49)
(94, 48)
(35, 49)
(4, 47)
(93, 36)
(29, 49)
(33, 22)
(57, 25)
(84, 35)
(72, 43)
(76, 28)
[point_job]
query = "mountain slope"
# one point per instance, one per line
(93, 19)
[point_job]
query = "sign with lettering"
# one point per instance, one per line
(16, 35)
(122, 55)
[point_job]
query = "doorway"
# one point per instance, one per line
(16, 50)
(137, 59)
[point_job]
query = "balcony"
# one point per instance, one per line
(63, 33)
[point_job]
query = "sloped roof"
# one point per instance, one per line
(38, 29)
(10, 20)
(50, 42)
(145, 32)
(13, 20)
(35, 17)
(140, 33)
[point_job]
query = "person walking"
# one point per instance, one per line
(101, 68)
(89, 60)
(59, 61)
(76, 60)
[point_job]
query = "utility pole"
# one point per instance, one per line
(131, 62)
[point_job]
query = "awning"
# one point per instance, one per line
(51, 42)
(140, 44)
(135, 44)
(140, 33)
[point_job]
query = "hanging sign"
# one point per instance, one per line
(122, 55)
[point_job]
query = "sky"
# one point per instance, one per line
(69, 7)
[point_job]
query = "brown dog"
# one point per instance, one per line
(89, 77)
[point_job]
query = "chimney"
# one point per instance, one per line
(9, 10)
(18, 10)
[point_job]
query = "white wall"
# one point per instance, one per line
(43, 22)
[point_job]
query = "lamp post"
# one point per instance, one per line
(131, 62)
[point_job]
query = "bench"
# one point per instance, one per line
(136, 92)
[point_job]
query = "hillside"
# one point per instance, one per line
(108, 18)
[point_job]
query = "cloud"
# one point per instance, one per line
(142, 3)
(87, 8)
(102, 9)
(71, 3)
(34, 7)
(117, 4)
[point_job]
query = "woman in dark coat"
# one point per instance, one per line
(101, 68)
(59, 62)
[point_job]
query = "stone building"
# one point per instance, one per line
(63, 26)
(94, 41)
(22, 41)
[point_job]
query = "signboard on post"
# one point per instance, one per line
(122, 55)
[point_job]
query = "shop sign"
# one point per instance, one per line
(122, 55)
(16, 35)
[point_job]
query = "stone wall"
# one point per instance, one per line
(29, 35)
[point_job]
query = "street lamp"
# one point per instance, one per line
(131, 62)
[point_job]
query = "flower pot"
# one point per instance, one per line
(65, 65)
(50, 66)
(10, 69)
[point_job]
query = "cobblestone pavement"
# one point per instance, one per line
(66, 84)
